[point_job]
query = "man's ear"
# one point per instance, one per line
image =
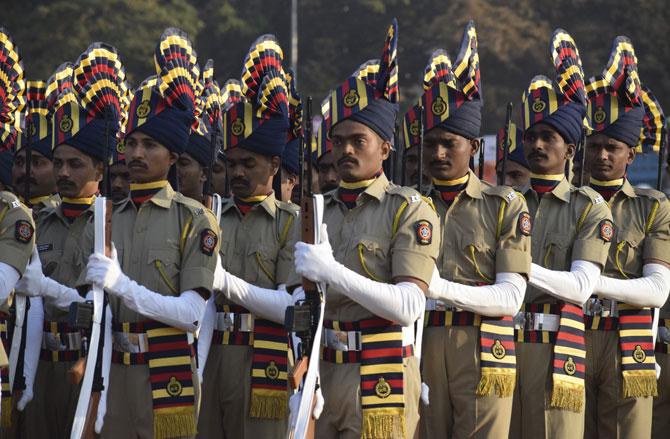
(570, 151)
(173, 157)
(275, 163)
(631, 156)
(474, 146)
(386, 149)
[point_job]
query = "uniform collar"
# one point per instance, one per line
(376, 190)
(628, 189)
(473, 188)
(163, 197)
(561, 191)
(268, 204)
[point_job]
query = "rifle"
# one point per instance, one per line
(93, 384)
(661, 154)
(17, 379)
(582, 145)
(210, 196)
(419, 184)
(482, 147)
(506, 144)
(305, 318)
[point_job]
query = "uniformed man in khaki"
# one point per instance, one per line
(384, 241)
(468, 345)
(162, 269)
(245, 391)
(517, 173)
(572, 230)
(620, 368)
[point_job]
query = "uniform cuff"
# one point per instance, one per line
(657, 249)
(196, 277)
(408, 263)
(513, 261)
(590, 250)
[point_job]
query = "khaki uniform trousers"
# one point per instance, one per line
(226, 396)
(532, 414)
(661, 418)
(51, 412)
(129, 403)
(451, 371)
(342, 415)
(608, 414)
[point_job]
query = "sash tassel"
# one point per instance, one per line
(382, 423)
(174, 422)
(268, 404)
(567, 395)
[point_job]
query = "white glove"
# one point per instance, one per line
(33, 282)
(501, 299)
(574, 286)
(294, 406)
(650, 290)
(8, 278)
(402, 303)
(266, 303)
(425, 394)
(184, 311)
(34, 333)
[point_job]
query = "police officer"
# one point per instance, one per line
(620, 368)
(245, 376)
(161, 271)
(385, 240)
(572, 230)
(480, 278)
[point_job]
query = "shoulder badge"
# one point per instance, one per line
(15, 204)
(525, 224)
(598, 200)
(424, 232)
(208, 241)
(511, 196)
(23, 231)
(606, 230)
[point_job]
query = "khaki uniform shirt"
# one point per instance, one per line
(17, 232)
(64, 249)
(642, 223)
(363, 239)
(168, 245)
(569, 224)
(258, 247)
(486, 231)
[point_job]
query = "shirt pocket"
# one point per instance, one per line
(557, 251)
(262, 264)
(50, 260)
(371, 257)
(480, 255)
(627, 257)
(164, 269)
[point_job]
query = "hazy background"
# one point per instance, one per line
(334, 37)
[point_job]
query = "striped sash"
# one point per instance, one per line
(269, 371)
(568, 364)
(638, 364)
(497, 357)
(170, 359)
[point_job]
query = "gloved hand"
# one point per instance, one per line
(316, 261)
(294, 406)
(33, 282)
(106, 273)
(438, 287)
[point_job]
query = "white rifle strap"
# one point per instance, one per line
(311, 377)
(98, 302)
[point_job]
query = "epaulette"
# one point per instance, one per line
(410, 195)
(10, 199)
(505, 192)
(591, 194)
(650, 193)
(291, 208)
(192, 205)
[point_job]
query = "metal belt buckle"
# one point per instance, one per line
(441, 306)
(52, 342)
(610, 308)
(244, 322)
(122, 342)
(225, 321)
(593, 306)
(519, 320)
(73, 341)
(342, 340)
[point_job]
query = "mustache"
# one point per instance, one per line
(344, 160)
(538, 154)
(137, 163)
(439, 162)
